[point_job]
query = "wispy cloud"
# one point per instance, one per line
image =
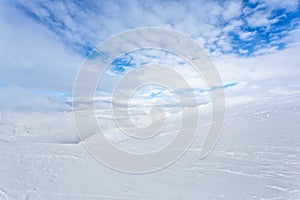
(43, 44)
(81, 25)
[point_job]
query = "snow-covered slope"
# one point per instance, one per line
(257, 157)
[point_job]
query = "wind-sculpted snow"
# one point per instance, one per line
(258, 157)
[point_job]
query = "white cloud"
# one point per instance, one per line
(61, 25)
(246, 35)
(232, 25)
(259, 75)
(260, 18)
(232, 9)
(290, 5)
(32, 56)
(18, 99)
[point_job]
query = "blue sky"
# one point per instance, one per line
(252, 42)
(244, 27)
